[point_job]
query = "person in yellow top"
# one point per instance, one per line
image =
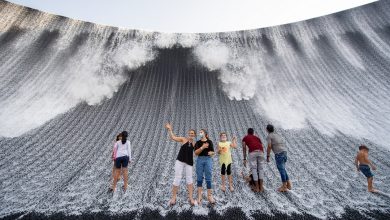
(225, 159)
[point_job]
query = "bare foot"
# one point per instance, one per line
(231, 189)
(373, 191)
(223, 188)
(282, 189)
(289, 185)
(192, 202)
(172, 202)
(200, 202)
(211, 200)
(254, 189)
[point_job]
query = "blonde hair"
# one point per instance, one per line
(221, 133)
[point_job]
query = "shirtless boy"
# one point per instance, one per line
(363, 164)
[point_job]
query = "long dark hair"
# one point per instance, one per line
(124, 136)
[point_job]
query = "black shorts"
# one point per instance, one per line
(226, 170)
(121, 162)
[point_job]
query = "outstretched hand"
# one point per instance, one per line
(168, 126)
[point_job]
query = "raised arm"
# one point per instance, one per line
(172, 135)
(234, 143)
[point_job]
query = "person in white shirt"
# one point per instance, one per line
(122, 155)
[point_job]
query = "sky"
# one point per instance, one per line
(191, 16)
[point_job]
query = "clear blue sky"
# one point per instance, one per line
(191, 15)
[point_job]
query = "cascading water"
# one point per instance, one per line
(68, 87)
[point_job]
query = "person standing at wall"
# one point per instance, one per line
(184, 162)
(256, 158)
(204, 149)
(276, 143)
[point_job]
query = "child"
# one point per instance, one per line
(225, 159)
(363, 164)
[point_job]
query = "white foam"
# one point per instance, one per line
(90, 76)
(188, 40)
(165, 40)
(213, 54)
(134, 55)
(279, 89)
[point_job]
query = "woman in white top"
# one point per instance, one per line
(122, 155)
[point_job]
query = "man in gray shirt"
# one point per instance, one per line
(277, 144)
